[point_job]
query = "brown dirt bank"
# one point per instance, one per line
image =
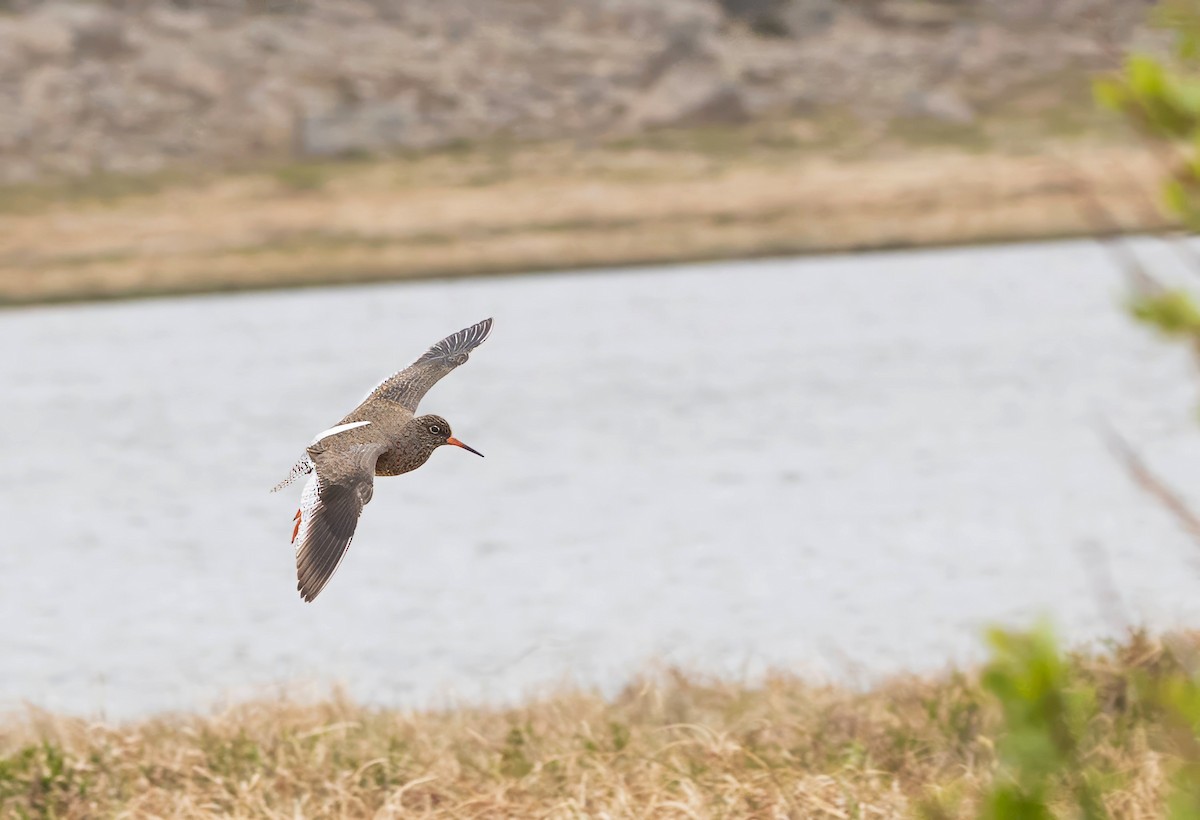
(547, 206)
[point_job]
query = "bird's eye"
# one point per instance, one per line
(433, 428)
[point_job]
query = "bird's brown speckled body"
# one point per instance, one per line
(382, 436)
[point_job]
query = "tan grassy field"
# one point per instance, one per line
(672, 747)
(782, 188)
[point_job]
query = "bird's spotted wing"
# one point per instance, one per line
(410, 385)
(333, 499)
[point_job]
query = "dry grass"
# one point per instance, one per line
(673, 747)
(787, 188)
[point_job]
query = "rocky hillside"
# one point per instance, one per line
(135, 85)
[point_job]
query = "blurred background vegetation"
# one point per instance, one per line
(154, 147)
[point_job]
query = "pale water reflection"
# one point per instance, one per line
(842, 465)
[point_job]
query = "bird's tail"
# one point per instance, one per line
(302, 467)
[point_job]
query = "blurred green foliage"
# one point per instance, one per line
(1048, 714)
(1174, 312)
(1074, 729)
(1054, 715)
(1160, 97)
(1045, 764)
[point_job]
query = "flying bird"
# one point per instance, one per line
(382, 436)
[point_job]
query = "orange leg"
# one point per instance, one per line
(296, 529)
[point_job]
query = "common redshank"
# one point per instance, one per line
(382, 436)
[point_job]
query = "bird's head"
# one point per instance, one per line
(434, 431)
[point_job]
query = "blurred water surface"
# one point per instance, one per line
(845, 466)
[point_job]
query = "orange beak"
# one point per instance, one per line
(457, 443)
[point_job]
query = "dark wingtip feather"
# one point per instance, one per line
(460, 343)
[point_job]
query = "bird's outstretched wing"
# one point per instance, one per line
(340, 486)
(410, 385)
